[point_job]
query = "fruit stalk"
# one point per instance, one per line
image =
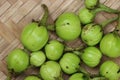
(105, 23)
(43, 21)
(8, 76)
(108, 9)
(118, 26)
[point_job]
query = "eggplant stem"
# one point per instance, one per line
(118, 26)
(51, 27)
(86, 74)
(43, 21)
(108, 21)
(96, 10)
(108, 9)
(9, 76)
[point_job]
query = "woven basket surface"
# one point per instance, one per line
(15, 14)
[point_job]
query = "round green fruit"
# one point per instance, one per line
(110, 45)
(91, 4)
(37, 58)
(70, 63)
(34, 37)
(91, 56)
(50, 70)
(54, 50)
(110, 70)
(91, 34)
(68, 26)
(86, 16)
(17, 60)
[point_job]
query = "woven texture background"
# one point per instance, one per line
(15, 14)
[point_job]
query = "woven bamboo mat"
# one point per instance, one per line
(15, 14)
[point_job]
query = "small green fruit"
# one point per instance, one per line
(70, 63)
(91, 4)
(110, 70)
(34, 37)
(50, 70)
(68, 26)
(110, 45)
(17, 60)
(91, 34)
(86, 16)
(54, 50)
(91, 56)
(37, 58)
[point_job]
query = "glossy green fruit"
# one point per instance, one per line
(91, 34)
(91, 4)
(17, 60)
(70, 63)
(110, 45)
(68, 26)
(91, 56)
(34, 37)
(32, 78)
(54, 50)
(50, 70)
(86, 16)
(110, 70)
(37, 58)
(76, 76)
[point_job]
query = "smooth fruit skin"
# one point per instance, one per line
(110, 70)
(110, 45)
(37, 58)
(54, 50)
(50, 70)
(17, 60)
(34, 37)
(70, 63)
(91, 4)
(32, 78)
(76, 76)
(68, 26)
(91, 56)
(86, 16)
(91, 34)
